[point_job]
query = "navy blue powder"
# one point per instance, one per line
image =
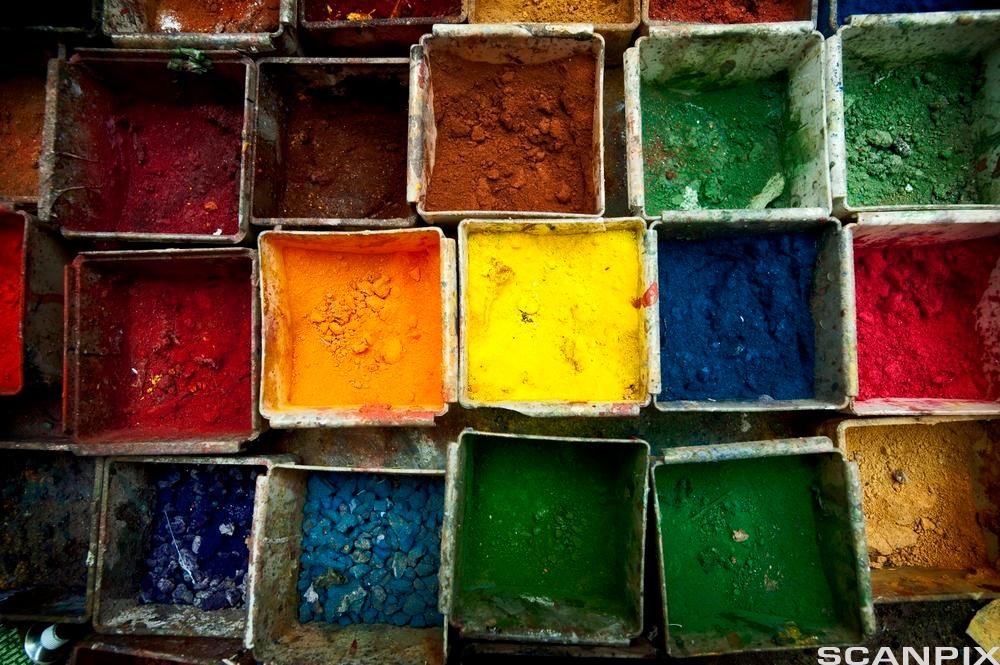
(735, 317)
(847, 8)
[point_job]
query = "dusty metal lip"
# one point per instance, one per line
(187, 650)
(26, 221)
(809, 24)
(651, 319)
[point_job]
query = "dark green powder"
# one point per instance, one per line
(549, 535)
(747, 563)
(715, 148)
(909, 133)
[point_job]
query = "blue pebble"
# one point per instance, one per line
(414, 605)
(418, 621)
(399, 619)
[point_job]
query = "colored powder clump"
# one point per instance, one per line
(553, 11)
(198, 551)
(715, 148)
(217, 16)
(909, 134)
(21, 133)
(371, 550)
(11, 303)
(513, 136)
(553, 317)
(366, 10)
(847, 8)
(923, 316)
(919, 498)
(546, 528)
(364, 329)
(735, 317)
(749, 553)
(729, 11)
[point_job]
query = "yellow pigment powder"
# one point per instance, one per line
(554, 317)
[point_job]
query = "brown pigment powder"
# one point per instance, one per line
(513, 137)
(21, 114)
(728, 11)
(553, 11)
(213, 15)
(918, 494)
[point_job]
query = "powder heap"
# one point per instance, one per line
(214, 16)
(371, 550)
(554, 317)
(365, 10)
(909, 136)
(554, 11)
(199, 549)
(513, 137)
(847, 8)
(21, 133)
(715, 148)
(919, 498)
(729, 11)
(11, 303)
(736, 318)
(918, 313)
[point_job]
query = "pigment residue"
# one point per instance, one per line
(554, 11)
(715, 148)
(729, 11)
(371, 550)
(921, 318)
(199, 548)
(566, 544)
(847, 8)
(21, 133)
(213, 16)
(513, 137)
(909, 134)
(919, 498)
(735, 317)
(11, 303)
(745, 552)
(553, 317)
(365, 10)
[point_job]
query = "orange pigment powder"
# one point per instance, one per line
(364, 327)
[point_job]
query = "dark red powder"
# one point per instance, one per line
(11, 307)
(729, 11)
(360, 10)
(165, 349)
(917, 319)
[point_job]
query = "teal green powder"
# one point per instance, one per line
(909, 134)
(715, 148)
(746, 560)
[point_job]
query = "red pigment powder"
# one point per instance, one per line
(363, 10)
(11, 299)
(176, 360)
(729, 11)
(917, 318)
(213, 16)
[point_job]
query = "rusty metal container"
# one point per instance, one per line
(89, 348)
(283, 79)
(114, 650)
(15, 226)
(49, 510)
(529, 44)
(67, 21)
(807, 18)
(74, 183)
(832, 305)
(129, 25)
(274, 630)
(129, 500)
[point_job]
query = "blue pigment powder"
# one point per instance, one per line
(371, 550)
(735, 317)
(847, 8)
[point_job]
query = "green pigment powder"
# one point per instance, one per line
(715, 148)
(546, 522)
(909, 134)
(748, 553)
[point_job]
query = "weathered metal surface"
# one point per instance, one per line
(758, 52)
(272, 290)
(80, 24)
(808, 8)
(832, 300)
(897, 39)
(129, 499)
(533, 43)
(274, 632)
(70, 175)
(81, 343)
(277, 79)
(114, 650)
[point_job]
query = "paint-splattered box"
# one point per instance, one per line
(111, 650)
(131, 510)
(679, 170)
(564, 564)
(330, 143)
(558, 318)
(802, 14)
(913, 109)
(148, 146)
(70, 21)
(138, 24)
(161, 351)
(345, 342)
(760, 547)
(931, 517)
(551, 174)
(275, 632)
(13, 278)
(828, 369)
